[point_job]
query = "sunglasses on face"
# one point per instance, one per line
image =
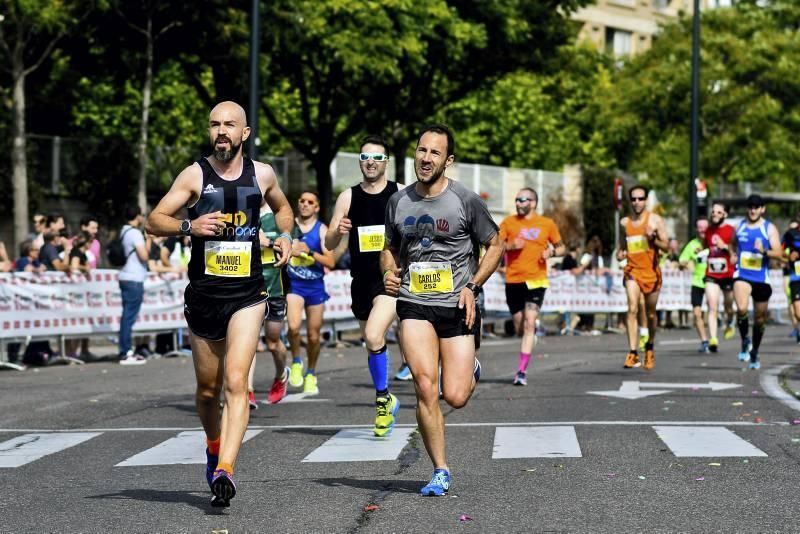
(306, 201)
(522, 199)
(638, 199)
(374, 156)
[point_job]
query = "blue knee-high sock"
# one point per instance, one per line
(378, 361)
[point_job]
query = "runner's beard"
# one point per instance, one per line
(436, 174)
(225, 156)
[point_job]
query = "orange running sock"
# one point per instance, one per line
(213, 446)
(225, 467)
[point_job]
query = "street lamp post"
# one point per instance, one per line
(255, 42)
(695, 119)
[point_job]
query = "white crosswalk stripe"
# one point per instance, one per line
(186, 448)
(536, 442)
(713, 441)
(25, 449)
(360, 446)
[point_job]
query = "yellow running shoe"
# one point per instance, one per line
(386, 409)
(729, 332)
(631, 360)
(310, 385)
(649, 359)
(713, 344)
(296, 375)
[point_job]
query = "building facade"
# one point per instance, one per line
(627, 27)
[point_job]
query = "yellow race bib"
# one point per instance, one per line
(267, 255)
(536, 284)
(431, 277)
(637, 244)
(228, 258)
(751, 261)
(370, 238)
(797, 268)
(306, 260)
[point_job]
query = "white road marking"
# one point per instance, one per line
(411, 426)
(299, 397)
(360, 446)
(713, 441)
(186, 448)
(533, 442)
(632, 389)
(771, 386)
(25, 449)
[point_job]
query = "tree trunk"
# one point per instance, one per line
(19, 160)
(322, 168)
(141, 194)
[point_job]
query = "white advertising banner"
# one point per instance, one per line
(51, 303)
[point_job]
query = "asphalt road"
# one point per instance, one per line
(695, 457)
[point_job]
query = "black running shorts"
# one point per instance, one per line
(447, 322)
(760, 291)
(725, 284)
(276, 309)
(518, 294)
(208, 317)
(794, 290)
(363, 291)
(697, 296)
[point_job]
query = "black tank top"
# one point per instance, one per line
(228, 265)
(367, 210)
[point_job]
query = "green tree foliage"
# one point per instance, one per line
(532, 120)
(750, 96)
(337, 68)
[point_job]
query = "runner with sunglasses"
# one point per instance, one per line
(720, 242)
(645, 234)
(757, 240)
(306, 272)
(360, 214)
(530, 240)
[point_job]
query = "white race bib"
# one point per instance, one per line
(717, 265)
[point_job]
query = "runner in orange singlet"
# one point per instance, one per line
(644, 234)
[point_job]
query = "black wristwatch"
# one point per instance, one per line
(475, 288)
(186, 227)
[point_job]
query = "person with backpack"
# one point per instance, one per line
(135, 251)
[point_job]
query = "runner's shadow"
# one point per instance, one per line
(200, 501)
(396, 486)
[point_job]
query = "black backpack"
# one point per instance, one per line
(115, 251)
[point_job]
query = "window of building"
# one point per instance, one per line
(660, 4)
(618, 42)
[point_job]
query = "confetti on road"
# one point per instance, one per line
(796, 421)
(700, 479)
(371, 507)
(758, 420)
(737, 403)
(642, 478)
(715, 464)
(465, 518)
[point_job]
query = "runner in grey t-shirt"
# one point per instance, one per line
(433, 234)
(442, 233)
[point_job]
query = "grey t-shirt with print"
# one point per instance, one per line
(447, 229)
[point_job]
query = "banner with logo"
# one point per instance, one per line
(52, 303)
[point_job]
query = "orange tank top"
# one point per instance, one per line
(642, 255)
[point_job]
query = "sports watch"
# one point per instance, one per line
(475, 288)
(186, 227)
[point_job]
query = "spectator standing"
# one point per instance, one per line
(29, 258)
(6, 265)
(49, 254)
(90, 226)
(78, 255)
(131, 282)
(39, 226)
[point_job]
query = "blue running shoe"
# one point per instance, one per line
(704, 348)
(439, 484)
(404, 373)
(747, 346)
(223, 488)
(755, 362)
(477, 371)
(211, 464)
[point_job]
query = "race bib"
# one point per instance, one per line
(751, 261)
(431, 277)
(228, 258)
(536, 284)
(797, 268)
(637, 244)
(267, 255)
(717, 265)
(370, 238)
(306, 260)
